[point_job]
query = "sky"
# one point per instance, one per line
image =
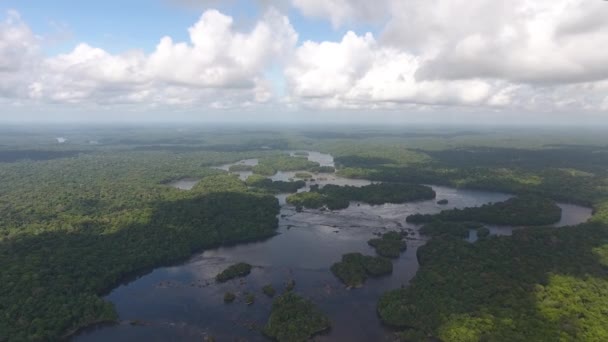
(540, 61)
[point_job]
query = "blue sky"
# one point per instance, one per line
(414, 59)
(117, 26)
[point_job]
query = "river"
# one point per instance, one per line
(183, 302)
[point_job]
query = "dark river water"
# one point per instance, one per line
(183, 302)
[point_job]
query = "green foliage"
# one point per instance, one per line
(264, 170)
(269, 290)
(338, 197)
(294, 319)
(73, 228)
(249, 298)
(441, 228)
(322, 169)
(310, 199)
(389, 245)
(354, 268)
(234, 271)
(267, 184)
(303, 175)
(483, 232)
(521, 210)
(541, 284)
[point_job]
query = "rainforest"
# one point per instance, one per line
(291, 234)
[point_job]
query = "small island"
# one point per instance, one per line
(249, 298)
(303, 175)
(234, 271)
(322, 169)
(336, 197)
(269, 290)
(389, 245)
(261, 182)
(442, 201)
(354, 268)
(294, 319)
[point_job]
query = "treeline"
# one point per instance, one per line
(517, 211)
(264, 183)
(294, 319)
(338, 197)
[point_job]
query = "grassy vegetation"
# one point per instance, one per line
(294, 319)
(354, 268)
(389, 245)
(234, 271)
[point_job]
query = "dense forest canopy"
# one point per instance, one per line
(72, 228)
(77, 217)
(517, 211)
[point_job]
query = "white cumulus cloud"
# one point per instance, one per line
(219, 65)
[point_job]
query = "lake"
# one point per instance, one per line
(183, 302)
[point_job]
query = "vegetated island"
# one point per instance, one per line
(322, 169)
(303, 175)
(389, 245)
(294, 319)
(268, 290)
(338, 197)
(522, 210)
(233, 271)
(261, 182)
(354, 268)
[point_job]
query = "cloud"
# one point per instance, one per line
(550, 42)
(341, 12)
(360, 72)
(218, 66)
(539, 55)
